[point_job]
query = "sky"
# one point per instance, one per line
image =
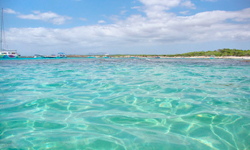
(125, 26)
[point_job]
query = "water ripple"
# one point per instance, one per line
(124, 104)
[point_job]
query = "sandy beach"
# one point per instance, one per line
(222, 57)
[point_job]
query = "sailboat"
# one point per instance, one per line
(6, 53)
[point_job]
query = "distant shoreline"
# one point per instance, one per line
(151, 56)
(217, 54)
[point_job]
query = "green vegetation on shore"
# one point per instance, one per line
(218, 53)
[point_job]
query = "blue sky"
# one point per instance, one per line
(125, 26)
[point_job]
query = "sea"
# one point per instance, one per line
(125, 104)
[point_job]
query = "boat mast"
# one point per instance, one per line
(2, 30)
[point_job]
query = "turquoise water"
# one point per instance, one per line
(130, 104)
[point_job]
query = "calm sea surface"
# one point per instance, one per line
(132, 104)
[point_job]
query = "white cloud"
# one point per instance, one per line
(188, 4)
(209, 25)
(9, 11)
(165, 3)
(157, 8)
(164, 28)
(101, 21)
(47, 16)
(184, 12)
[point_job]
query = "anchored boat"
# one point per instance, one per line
(59, 55)
(9, 54)
(5, 53)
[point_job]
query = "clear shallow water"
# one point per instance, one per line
(125, 104)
